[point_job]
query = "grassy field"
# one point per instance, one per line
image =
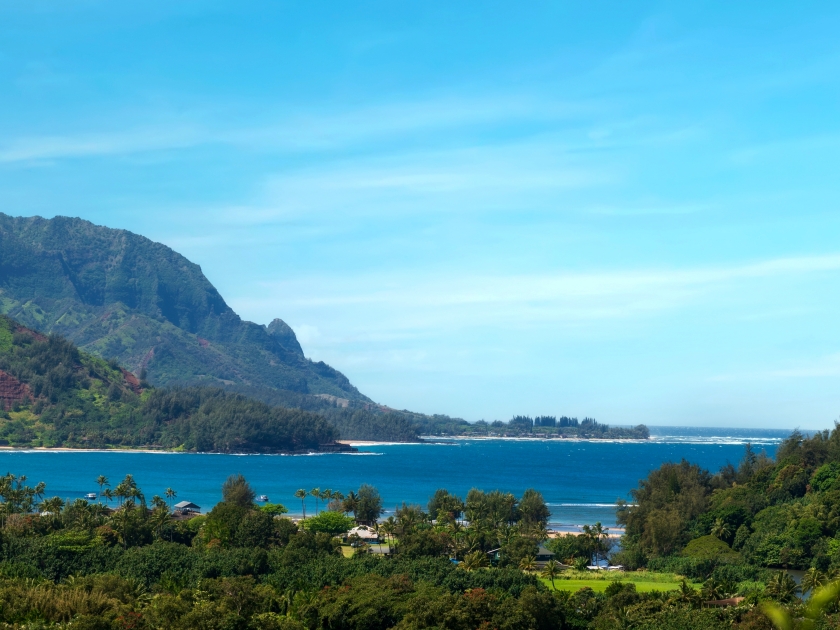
(600, 586)
(645, 581)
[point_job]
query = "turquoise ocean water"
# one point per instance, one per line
(580, 480)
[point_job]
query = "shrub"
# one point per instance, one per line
(825, 477)
(329, 523)
(709, 548)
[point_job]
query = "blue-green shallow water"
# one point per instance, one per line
(580, 480)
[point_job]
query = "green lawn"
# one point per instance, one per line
(645, 581)
(600, 586)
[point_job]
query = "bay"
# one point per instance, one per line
(580, 480)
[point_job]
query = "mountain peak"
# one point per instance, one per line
(284, 335)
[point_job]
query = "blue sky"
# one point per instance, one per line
(621, 210)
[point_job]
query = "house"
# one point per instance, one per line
(187, 507)
(363, 533)
(724, 603)
(542, 557)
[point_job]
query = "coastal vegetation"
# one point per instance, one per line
(525, 426)
(778, 514)
(127, 561)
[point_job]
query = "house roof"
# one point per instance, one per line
(187, 505)
(541, 551)
(363, 532)
(723, 603)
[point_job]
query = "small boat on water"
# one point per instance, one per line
(262, 498)
(90, 496)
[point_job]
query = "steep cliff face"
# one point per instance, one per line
(122, 296)
(12, 391)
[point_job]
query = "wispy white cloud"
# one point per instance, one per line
(819, 367)
(300, 130)
(33, 148)
(322, 130)
(526, 175)
(412, 305)
(813, 145)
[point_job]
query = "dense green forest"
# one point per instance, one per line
(782, 513)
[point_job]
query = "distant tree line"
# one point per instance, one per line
(526, 425)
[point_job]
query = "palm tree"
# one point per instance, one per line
(551, 571)
(596, 536)
(528, 563)
(622, 618)
(53, 506)
(505, 533)
(170, 494)
(782, 587)
(315, 492)
(712, 590)
(159, 520)
(108, 494)
(325, 496)
(474, 560)
(813, 579)
(377, 527)
(120, 521)
(388, 527)
(351, 503)
(301, 494)
(687, 594)
(720, 529)
(102, 480)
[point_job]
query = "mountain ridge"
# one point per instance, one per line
(122, 296)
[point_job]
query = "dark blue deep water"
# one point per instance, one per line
(580, 480)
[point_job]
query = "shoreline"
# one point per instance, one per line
(424, 440)
(533, 438)
(67, 449)
(430, 439)
(162, 451)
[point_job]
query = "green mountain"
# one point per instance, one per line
(120, 296)
(52, 394)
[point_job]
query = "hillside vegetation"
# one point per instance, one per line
(52, 394)
(762, 513)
